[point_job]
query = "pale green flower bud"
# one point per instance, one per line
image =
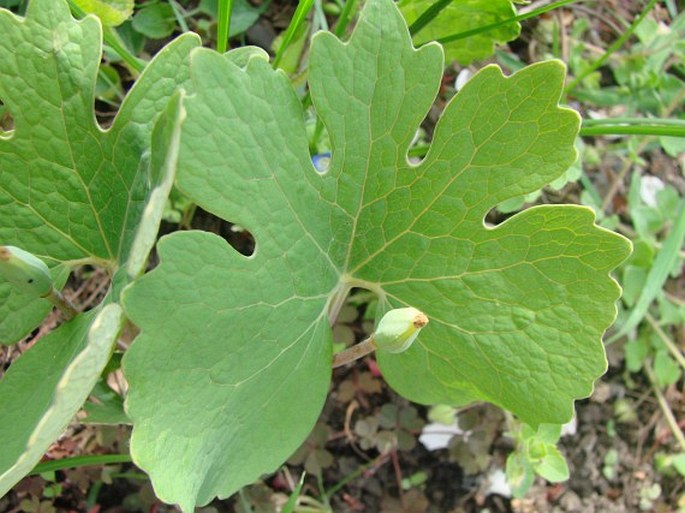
(398, 329)
(25, 271)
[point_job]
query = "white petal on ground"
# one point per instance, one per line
(436, 436)
(497, 483)
(649, 187)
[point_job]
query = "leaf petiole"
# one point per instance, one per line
(354, 352)
(62, 303)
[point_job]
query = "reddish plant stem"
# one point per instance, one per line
(354, 352)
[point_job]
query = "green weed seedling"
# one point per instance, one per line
(233, 361)
(535, 453)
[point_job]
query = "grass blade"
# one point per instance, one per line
(345, 17)
(292, 501)
(613, 48)
(301, 13)
(80, 461)
(428, 15)
(646, 129)
(663, 263)
(224, 20)
(514, 19)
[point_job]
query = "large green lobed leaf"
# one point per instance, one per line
(71, 192)
(47, 385)
(34, 412)
(232, 366)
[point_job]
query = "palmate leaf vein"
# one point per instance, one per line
(422, 170)
(308, 347)
(360, 196)
(455, 326)
(486, 271)
(297, 217)
(74, 167)
(279, 355)
(47, 222)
